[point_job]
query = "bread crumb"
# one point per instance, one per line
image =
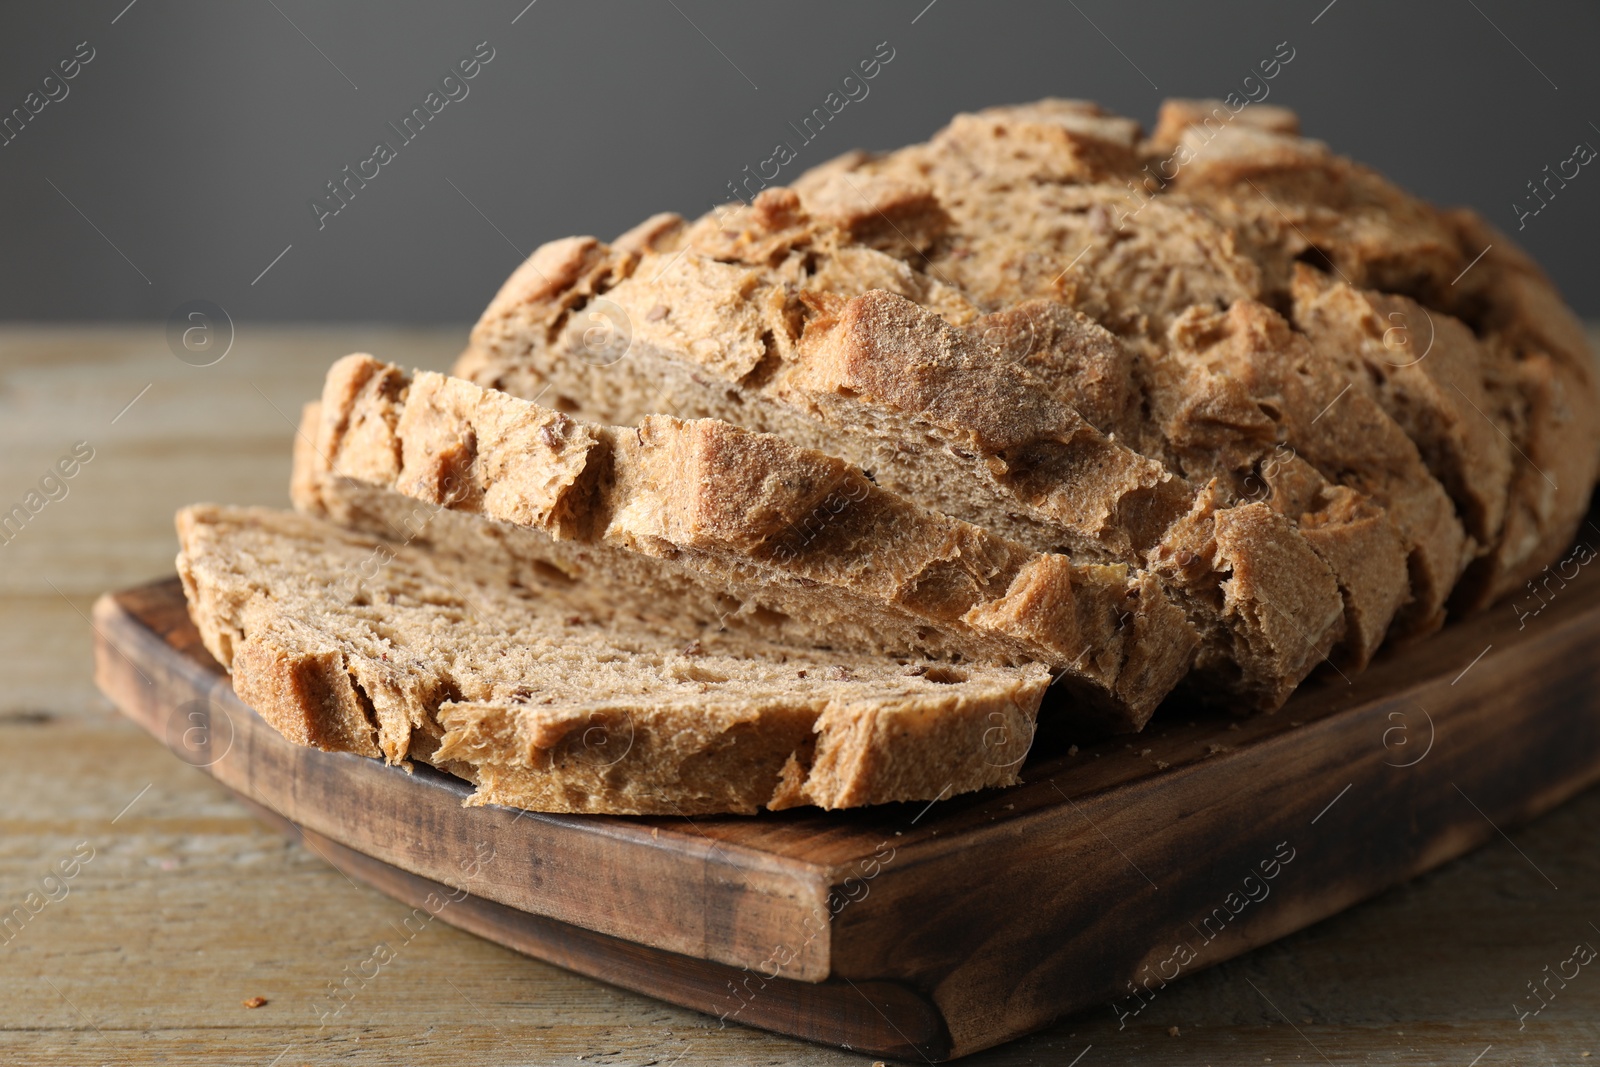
(255, 1002)
(1162, 764)
(656, 314)
(799, 674)
(1172, 1031)
(838, 673)
(693, 649)
(1145, 751)
(1072, 750)
(916, 670)
(574, 620)
(1233, 726)
(1296, 724)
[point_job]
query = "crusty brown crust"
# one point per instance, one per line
(429, 658)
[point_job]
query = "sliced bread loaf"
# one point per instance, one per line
(349, 643)
(793, 544)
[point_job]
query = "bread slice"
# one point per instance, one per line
(349, 643)
(796, 545)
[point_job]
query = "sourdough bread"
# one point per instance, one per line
(825, 489)
(354, 644)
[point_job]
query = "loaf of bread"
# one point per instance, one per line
(818, 492)
(546, 699)
(1044, 323)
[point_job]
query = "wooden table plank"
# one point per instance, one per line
(190, 906)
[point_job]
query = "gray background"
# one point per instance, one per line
(196, 137)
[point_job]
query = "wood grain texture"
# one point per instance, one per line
(191, 905)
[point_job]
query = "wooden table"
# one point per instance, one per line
(189, 907)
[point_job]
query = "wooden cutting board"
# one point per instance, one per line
(933, 931)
